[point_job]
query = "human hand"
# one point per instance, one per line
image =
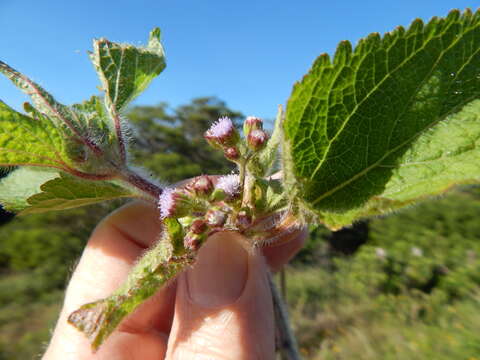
(219, 309)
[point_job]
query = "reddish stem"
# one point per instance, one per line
(142, 184)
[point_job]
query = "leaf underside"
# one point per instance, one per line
(22, 183)
(386, 124)
(28, 190)
(126, 70)
(66, 192)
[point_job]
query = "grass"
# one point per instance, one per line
(409, 326)
(25, 327)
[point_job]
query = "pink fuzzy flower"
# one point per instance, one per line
(230, 184)
(166, 203)
(173, 203)
(222, 132)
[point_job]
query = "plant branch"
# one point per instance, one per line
(287, 342)
(151, 190)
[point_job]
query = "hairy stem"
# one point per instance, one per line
(287, 342)
(151, 190)
(241, 174)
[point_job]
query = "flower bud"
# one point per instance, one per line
(257, 139)
(231, 153)
(252, 123)
(193, 241)
(222, 133)
(199, 226)
(215, 217)
(174, 203)
(201, 185)
(244, 219)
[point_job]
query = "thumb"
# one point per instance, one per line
(223, 306)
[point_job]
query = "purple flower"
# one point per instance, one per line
(222, 132)
(166, 203)
(230, 184)
(173, 203)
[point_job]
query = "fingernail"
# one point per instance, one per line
(220, 273)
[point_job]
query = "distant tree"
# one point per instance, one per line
(4, 215)
(169, 142)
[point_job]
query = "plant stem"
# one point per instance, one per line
(288, 343)
(241, 174)
(151, 190)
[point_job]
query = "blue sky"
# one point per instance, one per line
(248, 53)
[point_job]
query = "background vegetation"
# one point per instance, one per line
(402, 287)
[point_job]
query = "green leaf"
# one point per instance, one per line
(42, 100)
(66, 192)
(30, 141)
(382, 126)
(21, 184)
(159, 265)
(126, 70)
(79, 123)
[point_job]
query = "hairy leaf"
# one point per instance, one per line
(158, 266)
(29, 141)
(21, 184)
(126, 70)
(88, 131)
(64, 117)
(378, 127)
(66, 192)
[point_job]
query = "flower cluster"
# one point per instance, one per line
(204, 205)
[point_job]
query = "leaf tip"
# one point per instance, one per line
(322, 60)
(89, 320)
(455, 15)
(155, 34)
(343, 52)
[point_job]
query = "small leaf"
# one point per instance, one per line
(21, 184)
(29, 141)
(66, 192)
(353, 125)
(126, 70)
